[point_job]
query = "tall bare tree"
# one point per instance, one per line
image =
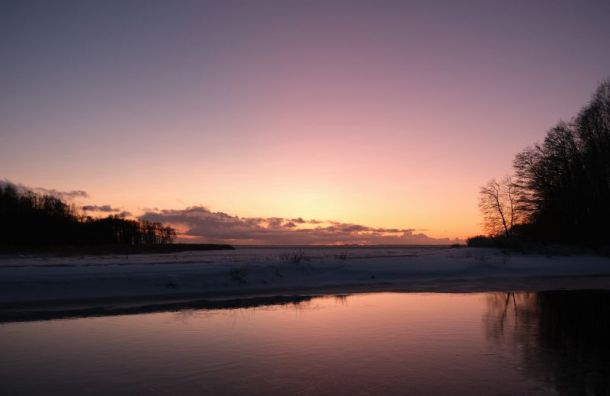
(498, 204)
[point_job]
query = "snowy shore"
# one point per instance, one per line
(39, 279)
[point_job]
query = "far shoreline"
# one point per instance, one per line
(94, 250)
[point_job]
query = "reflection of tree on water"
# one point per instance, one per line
(563, 336)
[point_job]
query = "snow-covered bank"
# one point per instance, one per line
(44, 280)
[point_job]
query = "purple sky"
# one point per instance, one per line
(386, 114)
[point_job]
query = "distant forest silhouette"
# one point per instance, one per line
(32, 219)
(560, 190)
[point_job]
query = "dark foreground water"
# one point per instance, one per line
(368, 344)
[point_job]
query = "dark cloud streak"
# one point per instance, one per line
(106, 209)
(100, 208)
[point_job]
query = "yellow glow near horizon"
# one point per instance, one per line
(386, 208)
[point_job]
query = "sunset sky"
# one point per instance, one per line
(384, 114)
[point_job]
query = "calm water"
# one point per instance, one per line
(368, 344)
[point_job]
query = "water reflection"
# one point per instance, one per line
(381, 343)
(563, 336)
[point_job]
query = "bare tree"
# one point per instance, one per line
(498, 204)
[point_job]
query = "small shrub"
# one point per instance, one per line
(294, 257)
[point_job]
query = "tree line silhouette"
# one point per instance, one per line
(31, 219)
(560, 189)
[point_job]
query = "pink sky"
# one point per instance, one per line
(386, 114)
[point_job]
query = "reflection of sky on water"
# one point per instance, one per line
(492, 343)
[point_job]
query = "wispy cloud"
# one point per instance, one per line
(106, 209)
(62, 194)
(100, 208)
(69, 196)
(198, 223)
(65, 195)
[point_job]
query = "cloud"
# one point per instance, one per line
(106, 209)
(64, 195)
(100, 208)
(199, 224)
